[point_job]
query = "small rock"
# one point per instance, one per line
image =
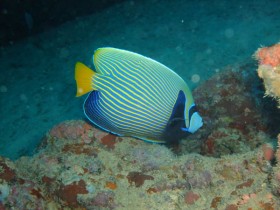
(191, 197)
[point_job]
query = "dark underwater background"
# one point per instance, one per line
(40, 42)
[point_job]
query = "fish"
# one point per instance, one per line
(133, 95)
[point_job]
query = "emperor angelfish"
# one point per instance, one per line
(133, 95)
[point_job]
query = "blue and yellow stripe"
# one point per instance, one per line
(131, 95)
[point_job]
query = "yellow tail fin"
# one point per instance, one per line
(83, 77)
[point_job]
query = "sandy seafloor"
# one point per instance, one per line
(37, 87)
(78, 166)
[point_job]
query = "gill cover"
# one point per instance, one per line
(195, 120)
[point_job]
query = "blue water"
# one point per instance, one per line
(194, 38)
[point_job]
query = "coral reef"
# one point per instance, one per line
(68, 172)
(269, 69)
(231, 163)
(236, 118)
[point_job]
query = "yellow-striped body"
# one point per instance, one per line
(132, 95)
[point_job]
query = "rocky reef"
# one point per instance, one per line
(237, 119)
(79, 166)
(269, 71)
(231, 163)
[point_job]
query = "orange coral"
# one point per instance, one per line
(111, 185)
(269, 69)
(269, 55)
(268, 151)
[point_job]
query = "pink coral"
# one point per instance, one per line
(269, 55)
(70, 130)
(268, 152)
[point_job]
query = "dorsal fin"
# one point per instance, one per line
(108, 60)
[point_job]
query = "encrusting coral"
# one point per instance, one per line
(69, 172)
(276, 171)
(269, 69)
